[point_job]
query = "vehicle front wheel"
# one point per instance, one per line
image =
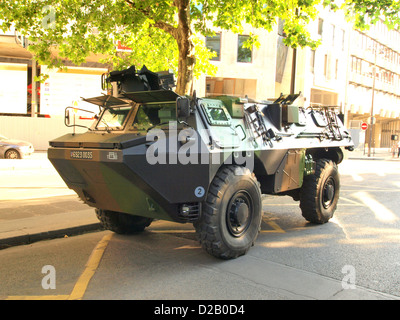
(319, 194)
(122, 223)
(232, 213)
(12, 154)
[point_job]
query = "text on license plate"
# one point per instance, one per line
(78, 154)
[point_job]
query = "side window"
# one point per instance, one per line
(149, 116)
(142, 121)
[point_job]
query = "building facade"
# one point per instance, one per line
(273, 68)
(17, 81)
(374, 83)
(324, 80)
(37, 114)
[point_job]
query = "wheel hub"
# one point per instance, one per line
(328, 193)
(12, 155)
(239, 214)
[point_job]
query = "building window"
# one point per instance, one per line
(231, 87)
(359, 65)
(243, 54)
(312, 61)
(343, 35)
(320, 26)
(214, 44)
(336, 69)
(326, 66)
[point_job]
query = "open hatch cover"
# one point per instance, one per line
(106, 101)
(154, 96)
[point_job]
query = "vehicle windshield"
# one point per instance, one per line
(150, 116)
(113, 118)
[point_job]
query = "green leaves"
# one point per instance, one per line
(74, 29)
(364, 13)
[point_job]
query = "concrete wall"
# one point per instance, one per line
(38, 131)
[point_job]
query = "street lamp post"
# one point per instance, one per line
(371, 130)
(34, 99)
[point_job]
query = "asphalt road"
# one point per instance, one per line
(292, 259)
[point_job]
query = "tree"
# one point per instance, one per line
(161, 33)
(367, 12)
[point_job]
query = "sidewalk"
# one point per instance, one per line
(37, 160)
(53, 210)
(376, 154)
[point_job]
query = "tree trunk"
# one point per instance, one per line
(185, 67)
(183, 36)
(186, 49)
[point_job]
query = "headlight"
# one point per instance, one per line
(25, 149)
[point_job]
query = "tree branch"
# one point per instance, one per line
(133, 5)
(158, 24)
(129, 2)
(167, 28)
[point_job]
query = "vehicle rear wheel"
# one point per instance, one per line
(319, 194)
(12, 154)
(232, 212)
(122, 223)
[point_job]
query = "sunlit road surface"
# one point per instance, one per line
(364, 233)
(363, 237)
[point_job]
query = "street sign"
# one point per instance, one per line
(364, 126)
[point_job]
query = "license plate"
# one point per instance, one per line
(78, 154)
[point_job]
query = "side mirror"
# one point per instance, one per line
(182, 107)
(67, 116)
(71, 116)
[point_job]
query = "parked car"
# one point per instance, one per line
(14, 149)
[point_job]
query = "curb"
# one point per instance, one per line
(365, 158)
(48, 235)
(374, 158)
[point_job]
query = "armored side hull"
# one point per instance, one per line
(121, 179)
(156, 174)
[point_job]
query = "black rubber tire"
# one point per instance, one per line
(122, 223)
(319, 194)
(231, 215)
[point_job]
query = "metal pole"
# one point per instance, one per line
(293, 79)
(34, 90)
(372, 104)
(294, 60)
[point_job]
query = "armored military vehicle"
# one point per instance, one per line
(152, 154)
